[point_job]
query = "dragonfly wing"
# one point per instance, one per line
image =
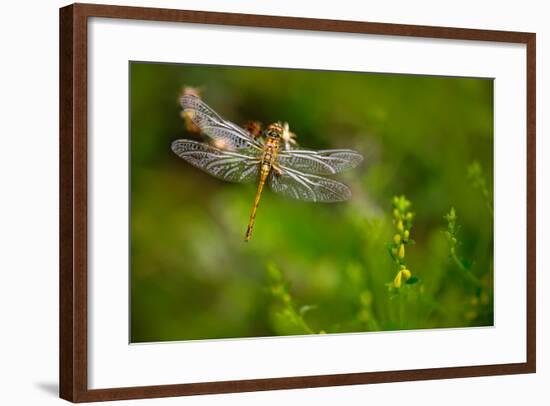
(226, 165)
(225, 134)
(324, 162)
(308, 187)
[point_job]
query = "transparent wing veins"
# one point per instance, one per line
(224, 133)
(226, 165)
(323, 162)
(308, 187)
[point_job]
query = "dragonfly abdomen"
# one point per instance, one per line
(268, 158)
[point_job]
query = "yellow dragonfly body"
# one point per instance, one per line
(234, 155)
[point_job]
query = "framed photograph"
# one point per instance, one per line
(254, 202)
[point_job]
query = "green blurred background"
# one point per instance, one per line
(312, 267)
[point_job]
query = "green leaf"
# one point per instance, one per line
(467, 264)
(412, 280)
(306, 308)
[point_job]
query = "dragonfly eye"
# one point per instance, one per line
(274, 130)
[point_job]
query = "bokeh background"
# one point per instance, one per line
(311, 267)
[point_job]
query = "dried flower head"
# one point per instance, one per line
(187, 116)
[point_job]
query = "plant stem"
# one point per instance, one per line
(465, 272)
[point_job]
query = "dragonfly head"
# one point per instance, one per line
(274, 130)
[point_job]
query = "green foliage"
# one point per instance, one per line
(479, 182)
(451, 234)
(290, 318)
(366, 313)
(404, 290)
(193, 277)
(402, 220)
(479, 302)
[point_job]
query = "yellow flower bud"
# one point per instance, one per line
(406, 234)
(409, 216)
(406, 274)
(402, 251)
(484, 298)
(400, 226)
(471, 315)
(395, 213)
(397, 280)
(397, 238)
(366, 298)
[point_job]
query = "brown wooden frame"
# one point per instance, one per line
(73, 202)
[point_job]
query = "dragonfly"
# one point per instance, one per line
(235, 155)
